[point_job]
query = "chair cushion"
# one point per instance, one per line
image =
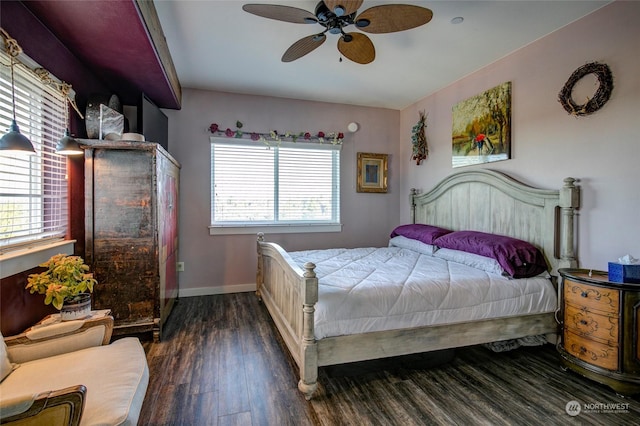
(90, 337)
(116, 377)
(5, 364)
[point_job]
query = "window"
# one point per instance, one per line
(292, 186)
(33, 189)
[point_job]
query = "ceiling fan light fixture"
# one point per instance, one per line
(309, 20)
(318, 37)
(335, 30)
(339, 10)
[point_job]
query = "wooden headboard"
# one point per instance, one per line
(490, 201)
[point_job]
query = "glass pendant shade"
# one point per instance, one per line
(68, 145)
(15, 142)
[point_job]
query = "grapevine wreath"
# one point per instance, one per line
(605, 86)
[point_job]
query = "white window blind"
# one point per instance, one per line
(33, 188)
(292, 184)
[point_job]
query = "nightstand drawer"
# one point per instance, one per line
(592, 325)
(590, 351)
(591, 297)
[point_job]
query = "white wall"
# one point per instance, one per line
(602, 149)
(215, 264)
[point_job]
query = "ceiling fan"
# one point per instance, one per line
(335, 16)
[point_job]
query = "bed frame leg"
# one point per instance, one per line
(307, 389)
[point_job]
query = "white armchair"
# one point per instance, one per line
(68, 374)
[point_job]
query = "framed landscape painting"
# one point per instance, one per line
(481, 130)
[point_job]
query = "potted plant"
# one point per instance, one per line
(67, 285)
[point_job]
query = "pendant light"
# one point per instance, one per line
(14, 142)
(67, 145)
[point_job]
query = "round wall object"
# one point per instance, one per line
(599, 98)
(353, 127)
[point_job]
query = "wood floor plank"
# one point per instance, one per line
(222, 362)
(201, 409)
(237, 419)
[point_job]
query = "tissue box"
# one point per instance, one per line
(620, 273)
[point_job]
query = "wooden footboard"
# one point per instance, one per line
(290, 295)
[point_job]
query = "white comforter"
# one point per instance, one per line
(373, 289)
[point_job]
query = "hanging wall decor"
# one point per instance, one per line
(481, 131)
(419, 139)
(600, 97)
(273, 136)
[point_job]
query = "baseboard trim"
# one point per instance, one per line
(209, 291)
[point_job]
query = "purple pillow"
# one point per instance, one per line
(425, 233)
(519, 258)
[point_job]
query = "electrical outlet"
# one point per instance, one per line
(180, 266)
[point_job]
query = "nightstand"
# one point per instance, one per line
(600, 328)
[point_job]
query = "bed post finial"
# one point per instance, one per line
(569, 202)
(412, 199)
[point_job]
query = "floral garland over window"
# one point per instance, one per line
(419, 140)
(334, 138)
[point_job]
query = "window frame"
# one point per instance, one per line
(247, 227)
(47, 168)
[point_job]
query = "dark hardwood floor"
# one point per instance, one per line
(221, 362)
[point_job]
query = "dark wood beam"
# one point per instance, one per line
(150, 18)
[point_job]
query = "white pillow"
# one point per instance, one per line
(5, 364)
(415, 245)
(483, 263)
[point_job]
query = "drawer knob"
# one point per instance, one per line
(584, 294)
(583, 349)
(583, 322)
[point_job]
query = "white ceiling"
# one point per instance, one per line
(215, 45)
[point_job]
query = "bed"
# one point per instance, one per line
(476, 202)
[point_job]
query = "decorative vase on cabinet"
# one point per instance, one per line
(131, 232)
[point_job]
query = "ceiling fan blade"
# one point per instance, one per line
(360, 49)
(390, 18)
(303, 46)
(347, 6)
(281, 13)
